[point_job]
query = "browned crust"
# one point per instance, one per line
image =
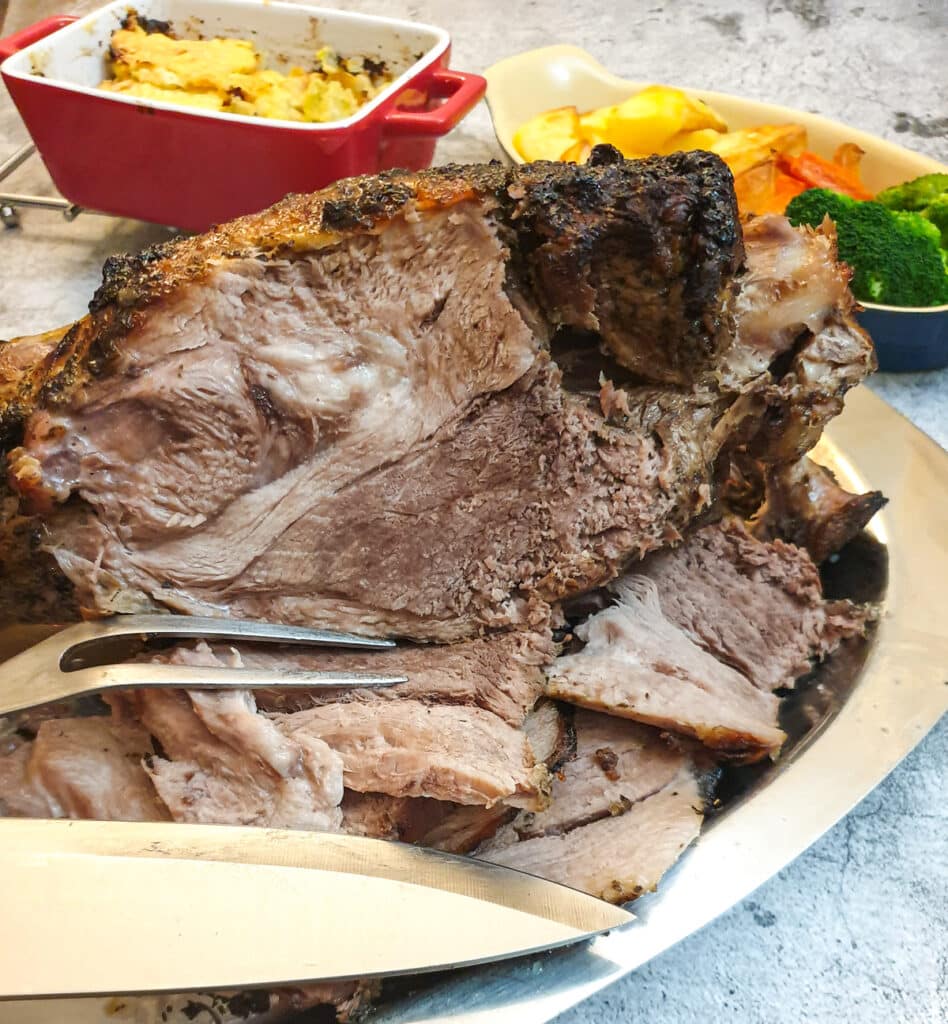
(558, 214)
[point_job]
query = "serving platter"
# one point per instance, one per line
(854, 722)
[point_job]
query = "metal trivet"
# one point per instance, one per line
(12, 202)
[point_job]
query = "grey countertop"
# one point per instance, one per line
(857, 928)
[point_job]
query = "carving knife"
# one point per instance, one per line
(109, 908)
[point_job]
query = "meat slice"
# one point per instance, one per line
(222, 762)
(549, 728)
(20, 795)
(465, 828)
(617, 764)
(616, 858)
(407, 748)
(81, 768)
(92, 768)
(380, 816)
(637, 663)
(501, 673)
(530, 497)
(806, 506)
(756, 606)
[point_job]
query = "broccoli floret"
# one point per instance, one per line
(937, 213)
(915, 195)
(927, 195)
(895, 257)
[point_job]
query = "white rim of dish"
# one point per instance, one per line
(83, 24)
(904, 309)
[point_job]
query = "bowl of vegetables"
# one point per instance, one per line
(897, 246)
(889, 203)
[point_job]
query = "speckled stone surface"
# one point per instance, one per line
(856, 930)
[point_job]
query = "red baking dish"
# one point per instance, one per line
(193, 168)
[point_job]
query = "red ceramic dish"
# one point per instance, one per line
(193, 168)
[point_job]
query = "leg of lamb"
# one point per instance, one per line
(343, 410)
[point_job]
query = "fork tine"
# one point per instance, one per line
(199, 627)
(190, 677)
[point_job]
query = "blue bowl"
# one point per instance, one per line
(907, 338)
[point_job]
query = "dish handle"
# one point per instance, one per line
(33, 34)
(461, 92)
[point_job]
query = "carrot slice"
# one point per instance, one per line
(815, 172)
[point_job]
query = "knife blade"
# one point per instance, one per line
(115, 908)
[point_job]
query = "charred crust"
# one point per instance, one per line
(150, 26)
(603, 155)
(675, 217)
(365, 202)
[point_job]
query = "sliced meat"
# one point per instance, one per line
(756, 606)
(617, 764)
(528, 498)
(407, 748)
(442, 825)
(549, 728)
(639, 664)
(465, 828)
(222, 762)
(20, 794)
(92, 768)
(380, 816)
(81, 768)
(616, 858)
(807, 507)
(501, 673)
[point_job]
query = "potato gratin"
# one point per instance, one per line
(227, 75)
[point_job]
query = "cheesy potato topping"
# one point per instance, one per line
(227, 75)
